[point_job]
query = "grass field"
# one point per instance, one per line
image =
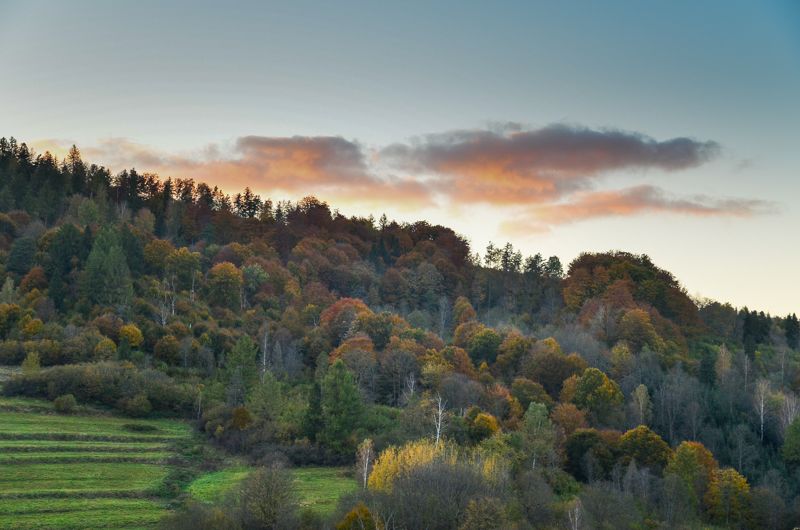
(317, 487)
(92, 470)
(87, 471)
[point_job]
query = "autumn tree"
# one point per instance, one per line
(728, 497)
(224, 284)
(597, 393)
(538, 433)
(644, 446)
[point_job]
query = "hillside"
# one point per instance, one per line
(293, 336)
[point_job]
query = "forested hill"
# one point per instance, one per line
(288, 327)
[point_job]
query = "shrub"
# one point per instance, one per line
(65, 404)
(137, 407)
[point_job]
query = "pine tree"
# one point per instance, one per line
(106, 279)
(6, 199)
(341, 408)
(118, 289)
(133, 249)
(312, 420)
(20, 259)
(792, 328)
(243, 358)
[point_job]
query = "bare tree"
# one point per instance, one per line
(364, 367)
(790, 409)
(761, 398)
(440, 417)
(742, 447)
(364, 461)
(746, 368)
(695, 419)
(444, 314)
(641, 405)
(264, 344)
(575, 516)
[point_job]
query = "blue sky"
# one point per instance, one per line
(177, 86)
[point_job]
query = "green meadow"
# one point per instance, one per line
(87, 471)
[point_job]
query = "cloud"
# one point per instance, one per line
(630, 201)
(328, 166)
(512, 165)
(546, 177)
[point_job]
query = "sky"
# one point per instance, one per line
(668, 129)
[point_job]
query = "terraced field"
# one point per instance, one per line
(82, 471)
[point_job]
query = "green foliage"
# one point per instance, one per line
(243, 359)
(20, 259)
(65, 404)
(596, 392)
(342, 408)
(538, 433)
(484, 345)
(791, 442)
(106, 279)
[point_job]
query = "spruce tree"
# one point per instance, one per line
(341, 408)
(20, 259)
(792, 328)
(312, 420)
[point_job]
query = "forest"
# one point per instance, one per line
(467, 388)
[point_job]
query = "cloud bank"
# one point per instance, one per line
(546, 177)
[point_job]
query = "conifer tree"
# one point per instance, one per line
(341, 408)
(20, 259)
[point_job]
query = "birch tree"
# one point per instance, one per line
(364, 461)
(440, 417)
(761, 398)
(538, 432)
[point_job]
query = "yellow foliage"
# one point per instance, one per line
(105, 349)
(33, 328)
(728, 496)
(394, 462)
(132, 333)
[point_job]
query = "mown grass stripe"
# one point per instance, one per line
(48, 446)
(80, 477)
(47, 506)
(73, 437)
(81, 457)
(127, 519)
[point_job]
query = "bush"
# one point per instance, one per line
(137, 407)
(65, 404)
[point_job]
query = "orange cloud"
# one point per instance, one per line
(511, 165)
(631, 201)
(549, 176)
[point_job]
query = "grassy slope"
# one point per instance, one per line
(317, 487)
(82, 471)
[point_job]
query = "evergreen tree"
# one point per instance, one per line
(312, 420)
(341, 408)
(133, 249)
(792, 328)
(6, 199)
(124, 350)
(20, 259)
(106, 279)
(708, 374)
(243, 358)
